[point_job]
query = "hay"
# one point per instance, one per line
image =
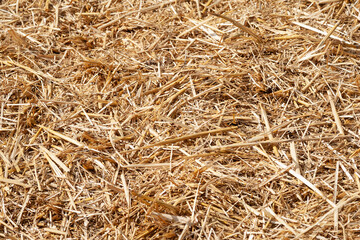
(179, 119)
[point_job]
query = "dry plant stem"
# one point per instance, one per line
(294, 157)
(272, 130)
(272, 213)
(142, 10)
(267, 127)
(73, 141)
(146, 199)
(12, 181)
(327, 36)
(54, 158)
(336, 115)
(336, 213)
(193, 28)
(186, 137)
(277, 175)
(242, 27)
(275, 141)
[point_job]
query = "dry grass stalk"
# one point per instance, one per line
(241, 26)
(336, 115)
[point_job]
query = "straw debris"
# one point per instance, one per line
(179, 119)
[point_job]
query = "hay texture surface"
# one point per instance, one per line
(179, 119)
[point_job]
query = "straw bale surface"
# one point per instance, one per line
(179, 119)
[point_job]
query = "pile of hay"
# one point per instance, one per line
(179, 119)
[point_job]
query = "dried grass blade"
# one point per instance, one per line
(54, 167)
(151, 199)
(144, 198)
(294, 157)
(193, 28)
(24, 206)
(288, 37)
(277, 175)
(248, 144)
(355, 153)
(336, 115)
(145, 233)
(54, 158)
(268, 128)
(52, 230)
(272, 130)
(150, 165)
(13, 181)
(73, 141)
(162, 4)
(182, 102)
(168, 85)
(272, 213)
(336, 213)
(4, 158)
(209, 30)
(327, 35)
(190, 136)
(239, 25)
(126, 189)
(172, 218)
